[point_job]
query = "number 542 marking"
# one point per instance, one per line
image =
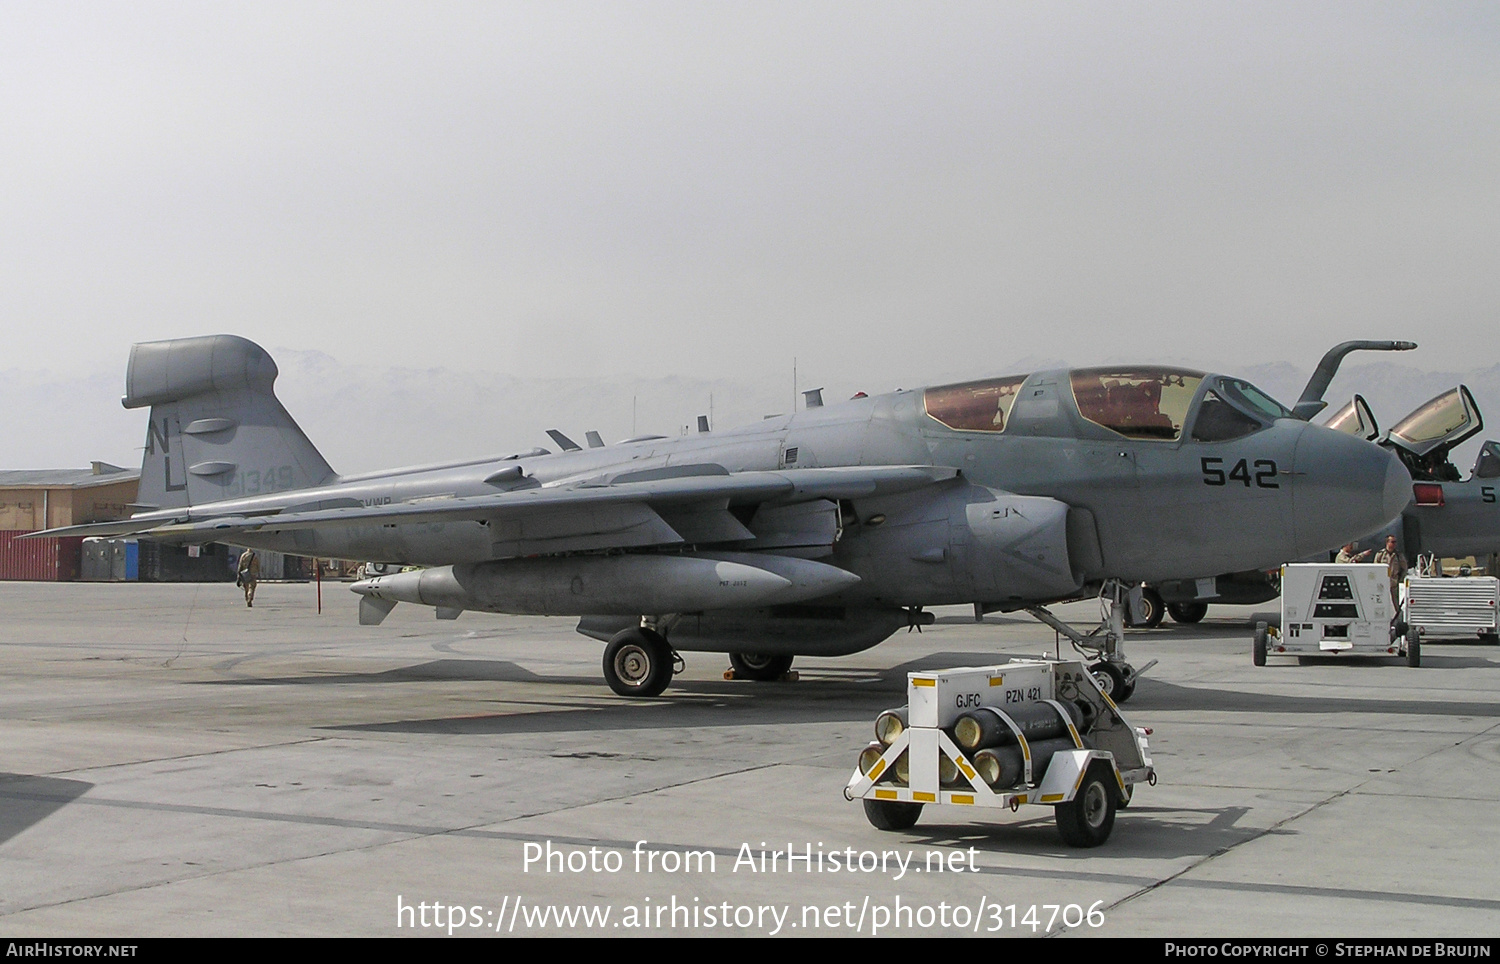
(1265, 473)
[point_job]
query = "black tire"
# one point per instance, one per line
(892, 814)
(1110, 679)
(1126, 691)
(1187, 613)
(1492, 639)
(1087, 819)
(1413, 649)
(638, 662)
(1258, 648)
(1153, 609)
(759, 667)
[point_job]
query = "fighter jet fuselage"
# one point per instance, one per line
(1006, 492)
(1091, 504)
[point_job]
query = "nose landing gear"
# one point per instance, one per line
(1115, 676)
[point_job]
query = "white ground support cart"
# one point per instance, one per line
(1331, 609)
(1456, 606)
(1027, 731)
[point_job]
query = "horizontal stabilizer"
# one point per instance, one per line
(119, 527)
(372, 611)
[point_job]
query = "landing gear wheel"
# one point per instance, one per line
(1128, 689)
(1111, 680)
(892, 814)
(758, 666)
(1153, 610)
(1187, 613)
(1258, 649)
(1413, 648)
(638, 662)
(1087, 819)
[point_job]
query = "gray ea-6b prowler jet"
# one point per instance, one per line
(1448, 515)
(819, 533)
(1187, 599)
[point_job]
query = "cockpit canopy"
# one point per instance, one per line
(980, 406)
(1355, 418)
(1424, 439)
(1151, 403)
(1147, 403)
(1487, 465)
(1444, 421)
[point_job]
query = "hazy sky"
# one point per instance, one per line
(714, 187)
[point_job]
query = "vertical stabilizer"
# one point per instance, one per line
(217, 430)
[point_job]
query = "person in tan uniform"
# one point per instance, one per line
(249, 574)
(1348, 554)
(1395, 567)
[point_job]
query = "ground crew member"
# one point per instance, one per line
(249, 573)
(1395, 567)
(1347, 554)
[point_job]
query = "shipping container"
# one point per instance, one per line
(39, 560)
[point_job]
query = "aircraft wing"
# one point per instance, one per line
(649, 507)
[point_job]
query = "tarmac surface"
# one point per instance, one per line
(176, 764)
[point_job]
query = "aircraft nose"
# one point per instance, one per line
(1344, 488)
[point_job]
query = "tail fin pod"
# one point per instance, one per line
(216, 430)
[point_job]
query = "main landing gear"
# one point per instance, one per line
(1187, 613)
(759, 667)
(1115, 676)
(639, 662)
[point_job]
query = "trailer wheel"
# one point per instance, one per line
(1258, 649)
(759, 667)
(1087, 819)
(1187, 613)
(892, 814)
(638, 662)
(1413, 648)
(1111, 681)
